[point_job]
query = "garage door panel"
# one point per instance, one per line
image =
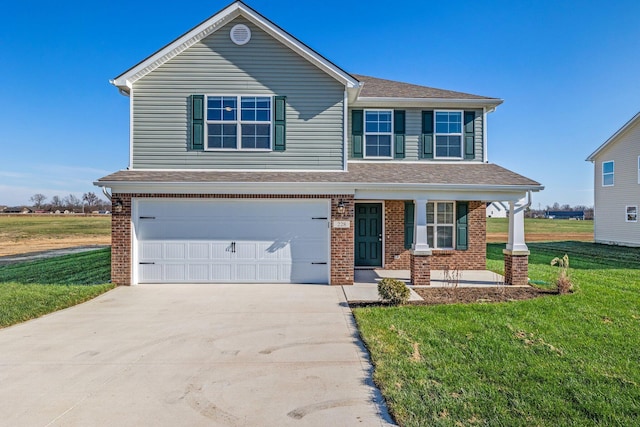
(233, 241)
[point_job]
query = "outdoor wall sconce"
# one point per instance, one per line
(117, 206)
(341, 207)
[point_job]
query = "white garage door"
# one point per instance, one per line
(240, 241)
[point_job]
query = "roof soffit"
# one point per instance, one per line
(635, 120)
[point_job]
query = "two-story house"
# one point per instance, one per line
(617, 186)
(255, 159)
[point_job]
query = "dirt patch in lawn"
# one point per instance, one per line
(44, 244)
(542, 237)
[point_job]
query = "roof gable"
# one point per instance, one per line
(615, 137)
(126, 80)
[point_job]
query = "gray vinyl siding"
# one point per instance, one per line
(413, 122)
(611, 202)
(216, 66)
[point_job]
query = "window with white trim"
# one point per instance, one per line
(440, 224)
(448, 134)
(378, 133)
(238, 123)
(632, 213)
(608, 170)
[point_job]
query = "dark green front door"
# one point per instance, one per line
(368, 228)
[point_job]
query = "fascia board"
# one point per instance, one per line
(424, 102)
(614, 137)
(300, 187)
(127, 79)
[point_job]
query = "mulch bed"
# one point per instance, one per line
(435, 296)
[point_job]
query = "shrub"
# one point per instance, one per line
(563, 283)
(393, 291)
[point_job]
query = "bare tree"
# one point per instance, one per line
(56, 203)
(72, 202)
(90, 199)
(38, 199)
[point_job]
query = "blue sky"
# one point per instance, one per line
(568, 72)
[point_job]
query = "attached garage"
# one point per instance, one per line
(231, 240)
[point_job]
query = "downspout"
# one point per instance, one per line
(106, 193)
(485, 156)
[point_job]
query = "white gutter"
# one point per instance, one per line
(347, 186)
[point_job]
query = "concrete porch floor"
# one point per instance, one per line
(365, 284)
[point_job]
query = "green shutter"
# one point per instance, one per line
(399, 131)
(279, 123)
(357, 133)
(462, 225)
(197, 122)
(408, 224)
(426, 139)
(469, 140)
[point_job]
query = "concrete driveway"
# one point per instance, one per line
(191, 355)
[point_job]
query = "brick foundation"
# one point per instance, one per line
(342, 239)
(474, 258)
(516, 269)
(420, 270)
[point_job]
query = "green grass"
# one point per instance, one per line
(18, 227)
(569, 360)
(542, 226)
(32, 289)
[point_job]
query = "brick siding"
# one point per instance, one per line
(474, 258)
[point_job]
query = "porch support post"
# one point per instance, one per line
(421, 252)
(516, 255)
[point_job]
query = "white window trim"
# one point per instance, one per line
(626, 213)
(435, 224)
(239, 122)
(365, 133)
(436, 133)
(613, 173)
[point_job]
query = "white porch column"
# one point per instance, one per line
(420, 245)
(516, 242)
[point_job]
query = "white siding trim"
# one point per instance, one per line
(345, 136)
(485, 155)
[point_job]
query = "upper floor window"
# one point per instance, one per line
(448, 134)
(378, 130)
(632, 213)
(440, 224)
(238, 123)
(607, 173)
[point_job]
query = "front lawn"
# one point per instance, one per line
(32, 289)
(556, 360)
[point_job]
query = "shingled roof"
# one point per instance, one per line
(380, 88)
(460, 174)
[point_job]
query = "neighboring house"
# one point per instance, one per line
(497, 210)
(564, 215)
(17, 210)
(255, 159)
(617, 186)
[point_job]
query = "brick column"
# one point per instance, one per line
(420, 269)
(121, 240)
(342, 242)
(516, 267)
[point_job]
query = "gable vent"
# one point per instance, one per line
(240, 34)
